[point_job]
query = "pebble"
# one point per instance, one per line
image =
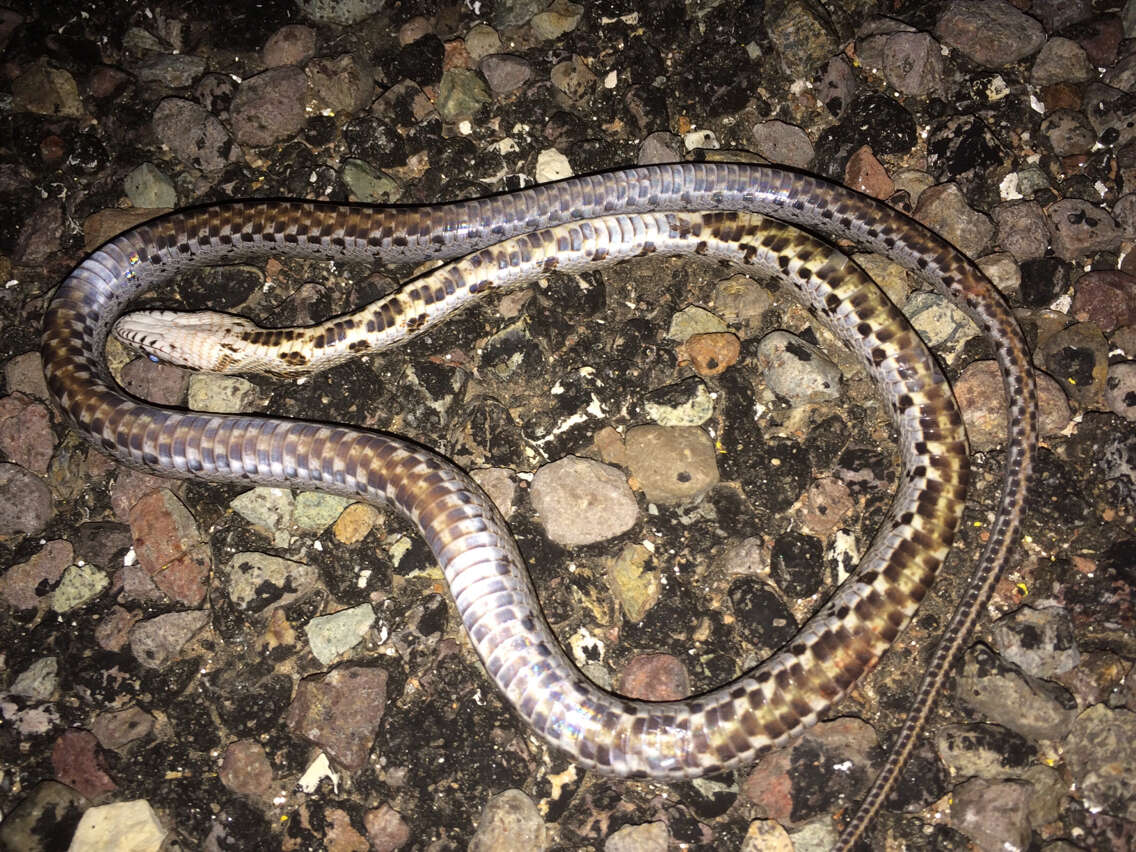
(994, 814)
(245, 769)
(77, 763)
(990, 32)
(742, 302)
(510, 822)
(368, 183)
(826, 504)
(45, 90)
(194, 135)
(41, 234)
(633, 582)
(175, 71)
(157, 641)
(125, 826)
(335, 634)
(504, 72)
(293, 44)
(694, 320)
(1002, 693)
(913, 64)
(654, 677)
(315, 511)
(660, 147)
(340, 712)
(340, 84)
(944, 209)
(671, 464)
(1040, 642)
(481, 41)
(574, 79)
(551, 165)
(26, 437)
(169, 546)
(864, 173)
(259, 582)
(710, 354)
(356, 523)
(1100, 751)
(269, 510)
(79, 585)
(1061, 60)
(387, 831)
(38, 681)
(1079, 228)
(1120, 389)
(581, 501)
(1001, 268)
(25, 501)
(461, 94)
(784, 143)
(796, 370)
(980, 750)
(1068, 133)
(558, 19)
(269, 106)
(148, 187)
(25, 584)
(1023, 230)
(24, 374)
(1105, 297)
(767, 835)
(802, 36)
(646, 837)
(121, 727)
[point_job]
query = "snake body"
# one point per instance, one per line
(545, 227)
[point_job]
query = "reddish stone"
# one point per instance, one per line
(1105, 297)
(340, 712)
(864, 173)
(245, 769)
(75, 760)
(386, 829)
(654, 677)
(113, 631)
(169, 548)
(25, 432)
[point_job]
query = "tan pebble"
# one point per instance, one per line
(355, 522)
(710, 354)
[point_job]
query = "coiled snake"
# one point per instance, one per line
(557, 226)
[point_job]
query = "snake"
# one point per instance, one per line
(745, 215)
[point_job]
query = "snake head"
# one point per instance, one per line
(200, 340)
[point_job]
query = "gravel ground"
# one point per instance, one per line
(208, 667)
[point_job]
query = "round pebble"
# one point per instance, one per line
(582, 501)
(796, 370)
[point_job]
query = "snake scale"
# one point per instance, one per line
(672, 209)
